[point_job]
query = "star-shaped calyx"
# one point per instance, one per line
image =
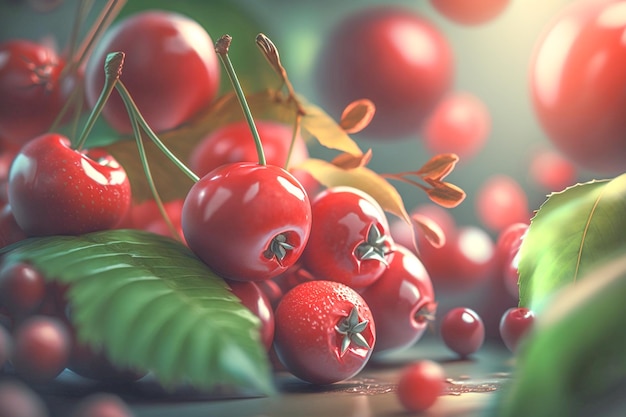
(278, 248)
(373, 247)
(351, 328)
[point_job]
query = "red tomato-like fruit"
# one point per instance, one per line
(350, 240)
(420, 385)
(325, 332)
(473, 258)
(459, 124)
(171, 69)
(516, 322)
(54, 189)
(402, 302)
(30, 93)
(470, 12)
(248, 222)
(463, 331)
(392, 56)
(259, 304)
(577, 78)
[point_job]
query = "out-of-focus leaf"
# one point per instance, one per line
(572, 230)
(357, 115)
(438, 167)
(349, 161)
(317, 123)
(429, 229)
(445, 194)
(362, 178)
(151, 304)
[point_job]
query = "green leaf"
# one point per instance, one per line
(571, 232)
(151, 304)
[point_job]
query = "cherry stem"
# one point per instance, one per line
(294, 135)
(112, 70)
(221, 47)
(135, 114)
(148, 173)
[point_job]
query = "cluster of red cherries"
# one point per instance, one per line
(319, 267)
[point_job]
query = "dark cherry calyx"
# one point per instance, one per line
(351, 328)
(278, 248)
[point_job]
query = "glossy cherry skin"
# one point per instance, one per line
(507, 250)
(255, 300)
(473, 12)
(30, 93)
(307, 339)
(516, 322)
(234, 218)
(460, 124)
(463, 331)
(233, 142)
(343, 217)
(171, 69)
(392, 56)
(420, 385)
(402, 301)
(577, 82)
(54, 189)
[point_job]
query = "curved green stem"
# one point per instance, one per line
(221, 48)
(112, 70)
(135, 114)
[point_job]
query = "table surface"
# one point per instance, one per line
(473, 385)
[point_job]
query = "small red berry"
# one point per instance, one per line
(463, 331)
(516, 322)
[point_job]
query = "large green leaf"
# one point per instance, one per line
(153, 305)
(570, 233)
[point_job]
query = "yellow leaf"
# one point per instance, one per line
(362, 178)
(317, 123)
(445, 194)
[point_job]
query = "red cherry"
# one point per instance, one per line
(552, 171)
(577, 79)
(516, 322)
(171, 69)
(350, 240)
(19, 400)
(463, 331)
(473, 259)
(507, 249)
(472, 12)
(22, 288)
(258, 303)
(102, 405)
(30, 96)
(392, 56)
(246, 221)
(54, 189)
(325, 332)
(402, 301)
(501, 201)
(42, 347)
(459, 124)
(6, 347)
(233, 142)
(420, 385)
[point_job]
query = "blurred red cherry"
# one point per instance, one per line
(392, 56)
(551, 170)
(501, 201)
(470, 12)
(578, 78)
(459, 124)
